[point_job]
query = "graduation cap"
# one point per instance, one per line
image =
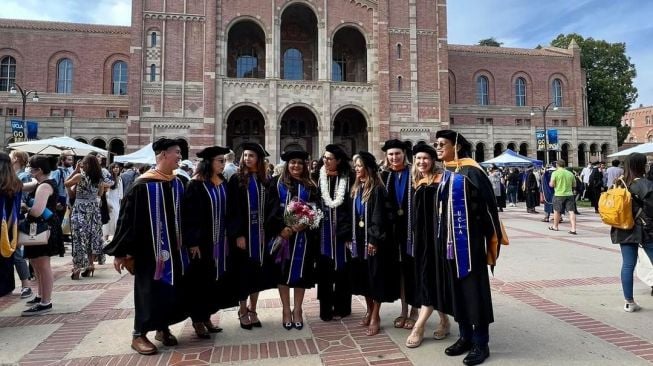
(257, 148)
(212, 151)
(456, 139)
(337, 151)
(369, 161)
(163, 144)
(425, 148)
(294, 154)
(395, 144)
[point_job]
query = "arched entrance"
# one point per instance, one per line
(498, 149)
(564, 153)
(604, 151)
(480, 152)
(512, 146)
(299, 51)
(116, 147)
(82, 140)
(581, 155)
(523, 149)
(299, 127)
(594, 153)
(349, 52)
(99, 143)
(246, 51)
(350, 130)
(245, 124)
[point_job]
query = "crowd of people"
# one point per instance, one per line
(422, 227)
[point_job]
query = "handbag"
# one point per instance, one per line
(33, 233)
(104, 209)
(65, 223)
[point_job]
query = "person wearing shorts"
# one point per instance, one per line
(563, 183)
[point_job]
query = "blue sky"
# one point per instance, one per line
(516, 23)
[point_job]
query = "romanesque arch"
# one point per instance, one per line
(350, 130)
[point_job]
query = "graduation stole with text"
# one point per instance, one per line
(255, 204)
(218, 197)
(299, 248)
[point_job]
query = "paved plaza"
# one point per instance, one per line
(557, 301)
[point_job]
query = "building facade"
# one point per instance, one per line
(640, 121)
(298, 73)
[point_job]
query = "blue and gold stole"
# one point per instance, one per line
(456, 220)
(161, 231)
(218, 197)
(401, 185)
(330, 247)
(255, 205)
(9, 230)
(359, 211)
(298, 256)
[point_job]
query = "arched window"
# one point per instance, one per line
(520, 92)
(482, 90)
(339, 67)
(399, 51)
(293, 64)
(556, 92)
(153, 39)
(399, 80)
(247, 63)
(7, 73)
(153, 72)
(65, 76)
(119, 78)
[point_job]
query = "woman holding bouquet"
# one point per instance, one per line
(249, 190)
(292, 243)
(371, 261)
(204, 230)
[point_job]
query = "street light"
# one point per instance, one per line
(546, 143)
(24, 94)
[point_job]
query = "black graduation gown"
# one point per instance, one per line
(206, 292)
(251, 275)
(378, 275)
(275, 223)
(7, 280)
(333, 288)
(157, 303)
(397, 233)
(470, 300)
(532, 191)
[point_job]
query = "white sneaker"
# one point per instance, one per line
(631, 307)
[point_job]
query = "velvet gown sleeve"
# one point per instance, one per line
(192, 213)
(376, 217)
(126, 238)
(344, 219)
(274, 213)
(236, 226)
(486, 202)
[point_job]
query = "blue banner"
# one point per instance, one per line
(32, 130)
(18, 130)
(552, 137)
(539, 138)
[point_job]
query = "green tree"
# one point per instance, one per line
(492, 42)
(610, 74)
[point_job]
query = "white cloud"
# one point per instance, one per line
(112, 12)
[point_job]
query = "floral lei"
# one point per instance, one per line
(324, 189)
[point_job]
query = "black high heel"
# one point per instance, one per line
(298, 325)
(288, 325)
(243, 325)
(88, 272)
(257, 324)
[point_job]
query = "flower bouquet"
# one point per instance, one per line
(297, 212)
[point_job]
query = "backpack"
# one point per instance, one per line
(616, 207)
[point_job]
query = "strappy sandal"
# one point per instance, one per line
(399, 321)
(366, 320)
(442, 332)
(257, 323)
(247, 326)
(410, 323)
(552, 228)
(415, 338)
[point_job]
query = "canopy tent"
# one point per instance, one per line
(143, 156)
(55, 145)
(645, 148)
(510, 158)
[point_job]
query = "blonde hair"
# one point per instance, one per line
(373, 180)
(417, 176)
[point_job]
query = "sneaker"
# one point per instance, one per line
(34, 301)
(25, 293)
(37, 309)
(631, 307)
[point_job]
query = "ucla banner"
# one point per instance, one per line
(552, 137)
(539, 138)
(18, 130)
(33, 130)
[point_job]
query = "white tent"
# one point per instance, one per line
(55, 145)
(143, 156)
(646, 148)
(510, 158)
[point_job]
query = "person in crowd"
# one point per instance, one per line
(372, 263)
(43, 205)
(578, 189)
(497, 186)
(563, 183)
(60, 175)
(85, 219)
(230, 168)
(18, 163)
(334, 179)
(629, 240)
(148, 244)
(595, 186)
(114, 195)
(531, 190)
(430, 266)
(294, 259)
(314, 164)
(513, 186)
(613, 172)
(585, 178)
(249, 189)
(185, 171)
(469, 237)
(649, 174)
(397, 179)
(547, 194)
(10, 199)
(128, 176)
(204, 228)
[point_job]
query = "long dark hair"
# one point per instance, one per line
(43, 162)
(114, 176)
(9, 182)
(205, 170)
(92, 168)
(305, 179)
(343, 168)
(261, 170)
(634, 167)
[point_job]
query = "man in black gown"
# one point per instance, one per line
(148, 244)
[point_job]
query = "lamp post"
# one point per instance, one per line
(546, 143)
(15, 89)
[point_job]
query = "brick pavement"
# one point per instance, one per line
(94, 318)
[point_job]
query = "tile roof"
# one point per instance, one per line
(61, 26)
(546, 51)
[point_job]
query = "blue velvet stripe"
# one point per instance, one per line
(255, 250)
(327, 234)
(163, 269)
(460, 226)
(178, 189)
(298, 255)
(218, 208)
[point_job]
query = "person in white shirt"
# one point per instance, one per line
(612, 173)
(585, 178)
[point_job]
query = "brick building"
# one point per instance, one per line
(296, 73)
(640, 121)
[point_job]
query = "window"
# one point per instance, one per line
(247, 63)
(489, 121)
(563, 122)
(2, 111)
(55, 112)
(527, 122)
(480, 121)
(68, 112)
(556, 92)
(112, 114)
(11, 112)
(123, 114)
(482, 90)
(293, 64)
(648, 120)
(65, 76)
(153, 39)
(451, 120)
(339, 67)
(399, 80)
(520, 92)
(7, 73)
(556, 122)
(153, 72)
(399, 51)
(119, 78)
(518, 122)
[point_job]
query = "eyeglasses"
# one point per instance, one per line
(327, 158)
(440, 144)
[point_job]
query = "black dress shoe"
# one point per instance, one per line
(165, 337)
(477, 355)
(461, 346)
(212, 328)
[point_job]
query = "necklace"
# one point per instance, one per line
(324, 189)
